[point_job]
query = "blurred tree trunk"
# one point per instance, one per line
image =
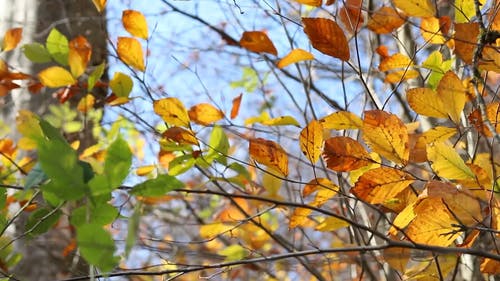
(43, 257)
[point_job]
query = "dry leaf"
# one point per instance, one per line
(311, 140)
(351, 15)
(344, 154)
(258, 41)
(385, 20)
(466, 35)
(130, 52)
(493, 115)
(205, 114)
(327, 37)
(416, 8)
(269, 153)
(12, 38)
(235, 109)
(79, 55)
(135, 23)
(180, 135)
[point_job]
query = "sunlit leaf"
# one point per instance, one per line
(36, 52)
(272, 183)
(385, 20)
(342, 120)
(351, 15)
(397, 258)
(57, 46)
(145, 170)
(55, 77)
(233, 252)
(99, 5)
(343, 154)
(130, 52)
(300, 217)
(430, 268)
(311, 140)
(379, 185)
(218, 146)
(438, 134)
(95, 75)
(399, 67)
(269, 153)
(295, 56)
(135, 23)
(157, 186)
(257, 41)
(79, 55)
(426, 102)
(331, 224)
(121, 84)
(493, 115)
(172, 111)
(386, 134)
(327, 37)
(490, 266)
(235, 109)
(97, 246)
(430, 28)
(465, 10)
(86, 103)
(180, 135)
(447, 163)
(205, 114)
(466, 36)
(281, 121)
(11, 38)
(416, 8)
(319, 183)
(452, 92)
(315, 3)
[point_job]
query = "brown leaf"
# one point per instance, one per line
(327, 37)
(385, 20)
(493, 115)
(257, 41)
(351, 15)
(465, 40)
(79, 55)
(343, 154)
(180, 135)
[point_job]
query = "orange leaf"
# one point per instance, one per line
(130, 52)
(490, 266)
(55, 77)
(452, 92)
(294, 56)
(343, 154)
(426, 102)
(400, 67)
(69, 248)
(315, 3)
(311, 140)
(386, 134)
(236, 106)
(135, 23)
(380, 185)
(12, 38)
(430, 28)
(257, 41)
(299, 217)
(318, 183)
(205, 114)
(465, 40)
(327, 37)
(180, 135)
(99, 4)
(385, 20)
(269, 153)
(493, 115)
(172, 111)
(79, 55)
(416, 8)
(351, 15)
(342, 120)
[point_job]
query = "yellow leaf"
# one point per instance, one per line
(404, 218)
(395, 61)
(331, 224)
(79, 55)
(210, 231)
(431, 268)
(430, 28)
(426, 102)
(99, 4)
(381, 184)
(397, 258)
(145, 170)
(55, 77)
(416, 8)
(447, 163)
(311, 141)
(438, 134)
(172, 111)
(86, 103)
(294, 56)
(315, 3)
(344, 154)
(465, 10)
(386, 134)
(12, 38)
(135, 23)
(180, 135)
(375, 163)
(269, 153)
(281, 121)
(272, 183)
(257, 41)
(28, 125)
(452, 92)
(385, 20)
(299, 217)
(233, 252)
(205, 114)
(342, 120)
(327, 37)
(130, 52)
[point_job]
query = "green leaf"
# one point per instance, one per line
(57, 46)
(95, 76)
(3, 198)
(101, 214)
(181, 164)
(133, 227)
(36, 52)
(121, 84)
(233, 253)
(97, 246)
(158, 186)
(41, 220)
(72, 127)
(218, 146)
(35, 177)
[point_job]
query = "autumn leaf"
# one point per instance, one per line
(426, 102)
(135, 23)
(466, 35)
(269, 153)
(386, 134)
(331, 224)
(55, 77)
(351, 15)
(235, 109)
(317, 184)
(399, 67)
(447, 163)
(430, 28)
(315, 3)
(344, 154)
(452, 93)
(493, 115)
(311, 140)
(258, 42)
(280, 121)
(11, 38)
(79, 55)
(379, 185)
(299, 217)
(327, 37)
(180, 135)
(145, 170)
(295, 56)
(130, 52)
(86, 103)
(416, 8)
(438, 134)
(205, 114)
(99, 4)
(342, 120)
(172, 111)
(121, 84)
(385, 20)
